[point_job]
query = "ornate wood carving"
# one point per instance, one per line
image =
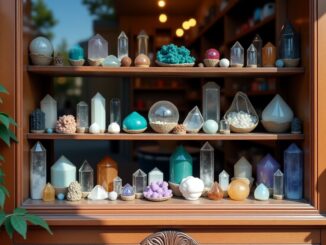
(169, 238)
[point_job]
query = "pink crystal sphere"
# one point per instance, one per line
(212, 53)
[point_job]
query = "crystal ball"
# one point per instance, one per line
(163, 116)
(41, 46)
(212, 54)
(238, 190)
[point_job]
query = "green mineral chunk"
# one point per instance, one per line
(172, 54)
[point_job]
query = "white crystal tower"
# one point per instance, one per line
(139, 181)
(252, 56)
(155, 175)
(122, 45)
(63, 172)
(97, 48)
(86, 177)
(49, 107)
(99, 111)
(224, 180)
(207, 165)
(237, 55)
(82, 116)
(278, 185)
(37, 170)
(142, 43)
(211, 102)
(115, 111)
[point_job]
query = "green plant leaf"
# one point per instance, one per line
(9, 228)
(2, 217)
(12, 136)
(36, 220)
(3, 89)
(2, 158)
(2, 199)
(11, 120)
(20, 211)
(5, 120)
(5, 190)
(19, 224)
(4, 134)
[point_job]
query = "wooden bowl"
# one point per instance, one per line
(242, 130)
(77, 62)
(175, 189)
(174, 65)
(211, 62)
(162, 199)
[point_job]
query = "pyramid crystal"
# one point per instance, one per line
(237, 55)
(49, 107)
(194, 121)
(117, 185)
(82, 116)
(258, 43)
(122, 45)
(277, 111)
(127, 190)
(63, 172)
(98, 193)
(278, 185)
(86, 177)
(139, 181)
(97, 48)
(155, 175)
(251, 56)
(207, 165)
(211, 102)
(243, 169)
(99, 111)
(37, 170)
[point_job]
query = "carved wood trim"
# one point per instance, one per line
(169, 238)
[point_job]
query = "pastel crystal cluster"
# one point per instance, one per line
(66, 125)
(157, 190)
(172, 54)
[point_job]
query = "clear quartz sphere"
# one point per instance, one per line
(163, 116)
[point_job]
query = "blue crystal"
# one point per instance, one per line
(293, 172)
(279, 63)
(127, 190)
(76, 53)
(61, 196)
(49, 130)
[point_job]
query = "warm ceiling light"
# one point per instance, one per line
(179, 32)
(192, 22)
(163, 18)
(186, 25)
(161, 3)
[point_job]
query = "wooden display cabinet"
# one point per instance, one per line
(205, 221)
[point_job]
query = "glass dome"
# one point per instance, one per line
(163, 116)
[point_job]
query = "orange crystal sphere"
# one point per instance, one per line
(48, 193)
(239, 190)
(142, 60)
(107, 170)
(215, 193)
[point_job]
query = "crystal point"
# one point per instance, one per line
(237, 55)
(49, 107)
(211, 102)
(278, 185)
(155, 175)
(48, 193)
(266, 169)
(252, 56)
(37, 170)
(99, 111)
(139, 181)
(98, 193)
(82, 117)
(63, 172)
(243, 169)
(122, 45)
(194, 121)
(97, 48)
(180, 165)
(261, 193)
(207, 165)
(86, 177)
(117, 185)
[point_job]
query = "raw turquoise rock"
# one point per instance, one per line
(111, 61)
(172, 54)
(180, 165)
(210, 127)
(76, 53)
(134, 121)
(261, 193)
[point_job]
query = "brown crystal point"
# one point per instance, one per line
(216, 192)
(107, 170)
(48, 193)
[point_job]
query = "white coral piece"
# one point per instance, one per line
(191, 188)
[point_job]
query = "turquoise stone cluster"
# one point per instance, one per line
(172, 54)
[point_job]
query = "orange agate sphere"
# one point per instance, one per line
(239, 190)
(142, 61)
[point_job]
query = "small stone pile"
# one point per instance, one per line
(74, 191)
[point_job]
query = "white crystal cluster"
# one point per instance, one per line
(241, 119)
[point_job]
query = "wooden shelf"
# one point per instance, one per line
(155, 136)
(176, 203)
(253, 29)
(188, 72)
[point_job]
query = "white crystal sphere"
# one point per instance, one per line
(41, 46)
(114, 128)
(94, 128)
(163, 116)
(224, 62)
(113, 196)
(210, 127)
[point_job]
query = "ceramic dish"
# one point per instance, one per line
(174, 65)
(162, 199)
